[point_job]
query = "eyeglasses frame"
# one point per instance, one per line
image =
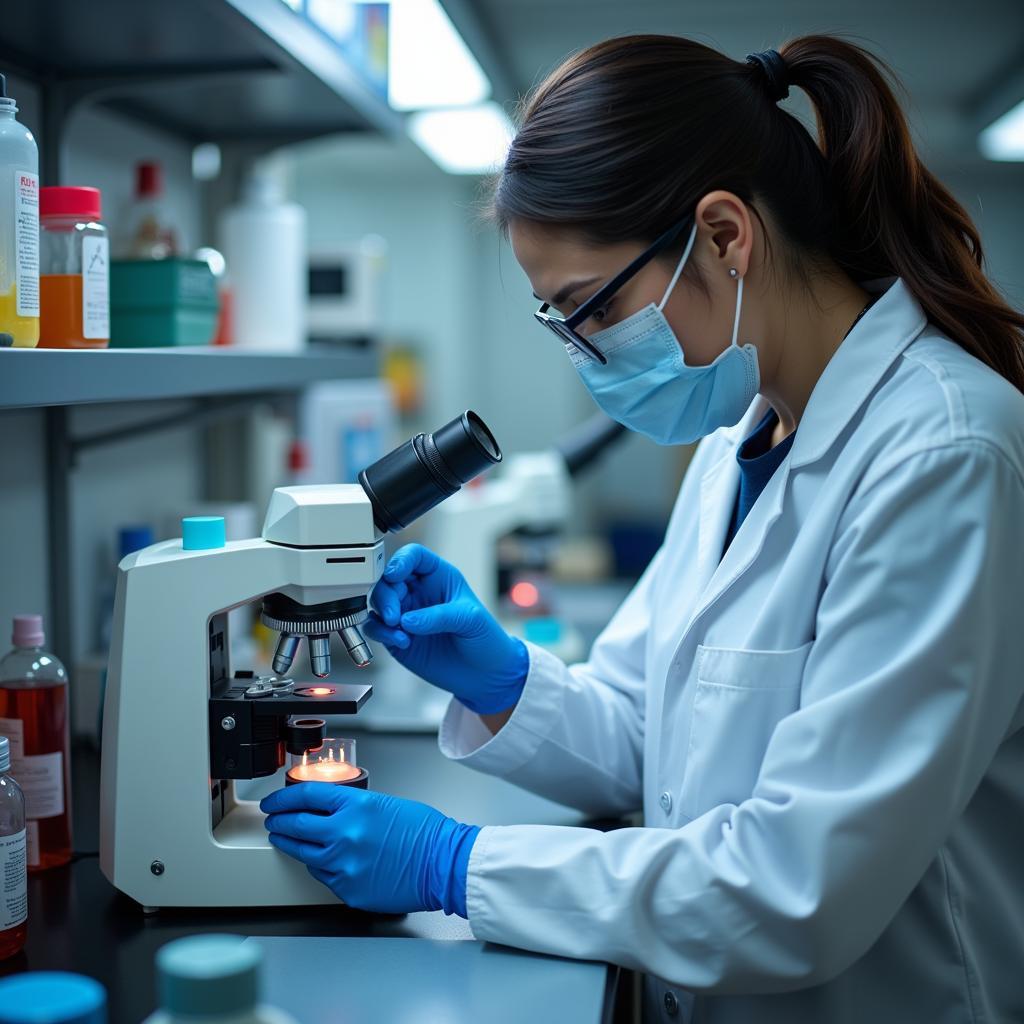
(565, 327)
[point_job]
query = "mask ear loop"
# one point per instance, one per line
(679, 268)
(739, 303)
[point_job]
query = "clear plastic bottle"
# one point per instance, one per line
(34, 716)
(13, 867)
(212, 979)
(148, 230)
(19, 229)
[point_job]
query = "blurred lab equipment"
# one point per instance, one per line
(13, 859)
(344, 425)
(532, 491)
(74, 269)
(173, 831)
(34, 717)
(263, 239)
(344, 291)
(19, 229)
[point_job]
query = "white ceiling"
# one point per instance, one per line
(958, 60)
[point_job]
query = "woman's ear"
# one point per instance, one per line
(725, 233)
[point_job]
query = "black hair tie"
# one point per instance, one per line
(774, 69)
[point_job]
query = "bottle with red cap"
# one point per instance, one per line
(74, 269)
(34, 718)
(148, 229)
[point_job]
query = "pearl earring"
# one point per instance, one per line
(732, 271)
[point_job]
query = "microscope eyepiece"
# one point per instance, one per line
(428, 468)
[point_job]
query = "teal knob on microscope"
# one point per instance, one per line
(201, 533)
(206, 975)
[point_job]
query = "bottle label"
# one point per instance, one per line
(95, 288)
(13, 881)
(41, 776)
(26, 242)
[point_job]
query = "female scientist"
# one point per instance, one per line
(815, 691)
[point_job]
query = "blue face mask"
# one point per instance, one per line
(647, 386)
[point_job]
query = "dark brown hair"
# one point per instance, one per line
(624, 138)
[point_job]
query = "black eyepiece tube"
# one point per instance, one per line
(589, 440)
(428, 468)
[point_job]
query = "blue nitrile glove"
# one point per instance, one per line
(424, 612)
(374, 851)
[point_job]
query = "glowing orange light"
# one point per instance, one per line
(524, 594)
(323, 770)
(321, 691)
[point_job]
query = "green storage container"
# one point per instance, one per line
(161, 303)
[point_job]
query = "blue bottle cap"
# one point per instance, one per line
(134, 538)
(52, 997)
(208, 974)
(200, 533)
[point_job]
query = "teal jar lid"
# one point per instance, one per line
(208, 974)
(543, 631)
(52, 997)
(200, 533)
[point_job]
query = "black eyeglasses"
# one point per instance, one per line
(565, 326)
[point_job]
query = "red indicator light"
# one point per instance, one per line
(524, 594)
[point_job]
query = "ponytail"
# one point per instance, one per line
(892, 215)
(625, 137)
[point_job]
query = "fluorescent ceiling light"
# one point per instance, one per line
(469, 140)
(1003, 139)
(429, 64)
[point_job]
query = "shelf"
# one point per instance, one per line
(46, 377)
(206, 70)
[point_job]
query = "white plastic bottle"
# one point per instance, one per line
(19, 229)
(264, 242)
(212, 979)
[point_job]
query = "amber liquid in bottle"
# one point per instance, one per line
(44, 714)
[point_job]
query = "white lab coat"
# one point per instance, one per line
(823, 727)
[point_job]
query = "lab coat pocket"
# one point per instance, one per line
(739, 698)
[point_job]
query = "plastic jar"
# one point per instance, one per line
(74, 269)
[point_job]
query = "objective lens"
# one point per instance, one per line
(425, 470)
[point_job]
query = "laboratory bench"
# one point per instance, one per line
(79, 922)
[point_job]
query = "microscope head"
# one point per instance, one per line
(390, 494)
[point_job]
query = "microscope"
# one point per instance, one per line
(181, 726)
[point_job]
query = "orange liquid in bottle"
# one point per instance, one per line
(43, 711)
(60, 313)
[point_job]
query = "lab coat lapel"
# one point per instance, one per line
(718, 489)
(747, 543)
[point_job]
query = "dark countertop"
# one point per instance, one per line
(79, 922)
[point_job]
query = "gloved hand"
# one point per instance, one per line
(374, 851)
(424, 612)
